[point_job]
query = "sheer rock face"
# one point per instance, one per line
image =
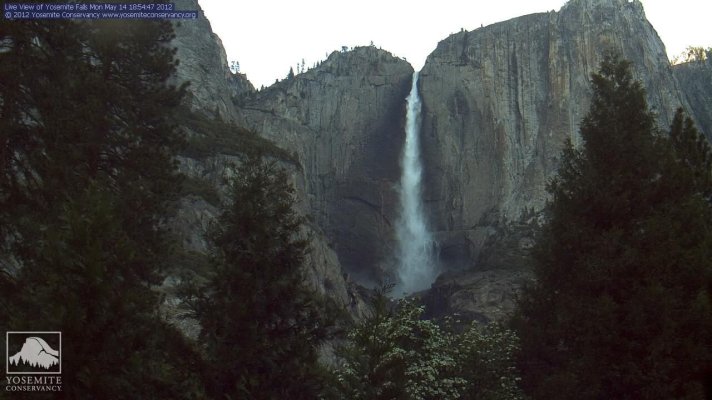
(500, 101)
(195, 215)
(695, 80)
(203, 63)
(213, 93)
(344, 121)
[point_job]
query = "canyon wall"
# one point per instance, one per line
(344, 122)
(695, 80)
(500, 101)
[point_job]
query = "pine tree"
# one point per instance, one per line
(260, 324)
(79, 283)
(693, 152)
(621, 305)
(86, 177)
(84, 101)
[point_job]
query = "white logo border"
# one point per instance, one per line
(7, 353)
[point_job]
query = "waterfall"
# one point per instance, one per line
(416, 259)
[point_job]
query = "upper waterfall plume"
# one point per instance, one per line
(416, 260)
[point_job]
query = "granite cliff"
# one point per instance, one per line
(695, 79)
(500, 100)
(343, 121)
(498, 103)
(217, 132)
(203, 63)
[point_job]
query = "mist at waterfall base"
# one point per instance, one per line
(416, 254)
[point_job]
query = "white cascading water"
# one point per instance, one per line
(416, 259)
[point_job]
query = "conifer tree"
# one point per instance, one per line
(84, 102)
(260, 324)
(86, 177)
(621, 305)
(114, 341)
(693, 152)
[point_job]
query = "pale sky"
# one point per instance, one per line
(268, 37)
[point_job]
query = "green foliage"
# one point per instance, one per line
(85, 101)
(398, 356)
(693, 54)
(693, 152)
(620, 308)
(218, 137)
(394, 354)
(486, 356)
(260, 324)
(86, 179)
(86, 280)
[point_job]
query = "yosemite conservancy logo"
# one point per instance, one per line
(33, 361)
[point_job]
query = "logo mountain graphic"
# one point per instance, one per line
(36, 353)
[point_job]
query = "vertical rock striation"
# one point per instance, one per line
(202, 62)
(695, 80)
(211, 123)
(343, 121)
(499, 102)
